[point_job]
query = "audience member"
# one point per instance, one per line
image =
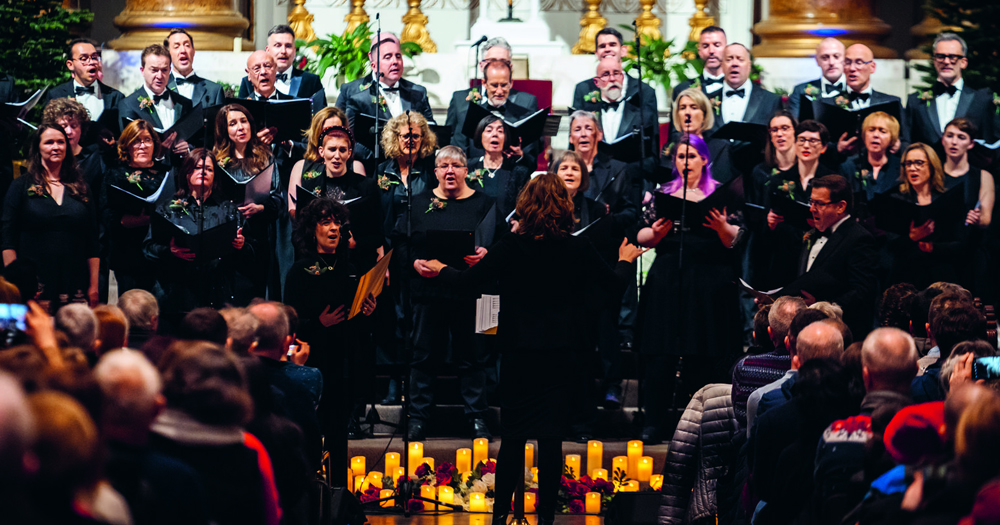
(142, 313)
(951, 320)
(242, 330)
(112, 329)
(79, 324)
(204, 324)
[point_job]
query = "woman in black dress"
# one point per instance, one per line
(186, 282)
(139, 174)
(243, 152)
(538, 329)
(498, 173)
(692, 313)
(49, 220)
(779, 155)
(321, 286)
(439, 310)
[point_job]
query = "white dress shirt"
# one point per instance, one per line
(714, 88)
(841, 86)
(186, 89)
(734, 107)
(947, 105)
(858, 103)
(94, 103)
(392, 99)
(821, 242)
(284, 86)
(611, 119)
(164, 108)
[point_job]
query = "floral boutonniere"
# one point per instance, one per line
(310, 175)
(477, 176)
(717, 104)
(474, 96)
(384, 182)
(436, 204)
(146, 103)
(788, 187)
(180, 204)
(593, 96)
(996, 103)
(811, 92)
(774, 171)
(927, 97)
(318, 269)
(317, 191)
(380, 102)
(365, 87)
(667, 148)
(225, 161)
(865, 176)
(135, 178)
(842, 102)
(808, 239)
(36, 191)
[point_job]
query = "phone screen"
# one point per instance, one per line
(986, 368)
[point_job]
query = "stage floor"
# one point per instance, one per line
(465, 518)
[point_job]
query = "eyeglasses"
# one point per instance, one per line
(412, 136)
(447, 167)
(917, 163)
(857, 63)
(809, 141)
(142, 142)
(941, 57)
(818, 204)
(85, 59)
(611, 75)
(778, 129)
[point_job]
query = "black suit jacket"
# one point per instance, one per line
(302, 85)
(129, 109)
(973, 104)
(350, 89)
(843, 273)
(206, 93)
(630, 114)
(795, 99)
(413, 97)
(111, 96)
(526, 103)
(716, 87)
(612, 183)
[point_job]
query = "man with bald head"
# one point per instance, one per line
(859, 66)
(289, 80)
(260, 70)
(889, 364)
(830, 84)
(743, 100)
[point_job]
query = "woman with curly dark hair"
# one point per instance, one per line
(49, 220)
(498, 173)
(320, 286)
(539, 330)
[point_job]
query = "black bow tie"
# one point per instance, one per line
(858, 96)
(938, 88)
(162, 96)
(274, 96)
(832, 88)
(605, 105)
(391, 89)
(282, 77)
(710, 81)
(821, 234)
(81, 90)
(193, 79)
(500, 109)
(738, 92)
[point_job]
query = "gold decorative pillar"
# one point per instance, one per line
(300, 19)
(415, 28)
(699, 20)
(794, 27)
(647, 23)
(212, 23)
(357, 16)
(592, 22)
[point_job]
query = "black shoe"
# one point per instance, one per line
(417, 432)
(480, 429)
(392, 397)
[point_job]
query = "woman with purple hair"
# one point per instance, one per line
(690, 311)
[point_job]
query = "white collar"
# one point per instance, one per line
(258, 95)
(706, 74)
(747, 85)
(838, 223)
(95, 84)
(150, 92)
(178, 75)
(842, 81)
(867, 90)
(959, 84)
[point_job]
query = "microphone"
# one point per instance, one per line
(480, 41)
(376, 16)
(687, 118)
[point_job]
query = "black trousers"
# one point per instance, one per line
(510, 474)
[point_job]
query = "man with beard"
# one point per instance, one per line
(84, 63)
(495, 48)
(830, 59)
(711, 45)
(608, 44)
(183, 79)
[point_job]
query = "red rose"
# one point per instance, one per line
(415, 505)
(586, 480)
(423, 470)
(489, 467)
(576, 506)
(581, 490)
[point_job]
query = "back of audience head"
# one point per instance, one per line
(951, 374)
(9, 293)
(783, 311)
(953, 319)
(207, 383)
(204, 324)
(242, 330)
(79, 324)
(132, 395)
(832, 310)
(804, 318)
(17, 433)
(67, 447)
(272, 330)
(141, 309)
(894, 306)
(976, 438)
(112, 329)
(920, 307)
(959, 399)
(761, 329)
(819, 340)
(841, 326)
(889, 357)
(947, 287)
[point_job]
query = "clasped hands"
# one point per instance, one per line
(920, 232)
(339, 315)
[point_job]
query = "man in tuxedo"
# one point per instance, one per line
(711, 46)
(859, 65)
(830, 84)
(839, 257)
(495, 96)
(742, 99)
(261, 70)
(153, 102)
(351, 88)
(84, 64)
(928, 112)
(289, 80)
(183, 79)
(608, 43)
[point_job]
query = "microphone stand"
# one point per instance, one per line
(377, 81)
(680, 266)
(642, 107)
(477, 44)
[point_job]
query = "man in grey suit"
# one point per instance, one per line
(183, 79)
(830, 59)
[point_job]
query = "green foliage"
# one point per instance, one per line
(660, 64)
(347, 53)
(229, 90)
(980, 23)
(568, 472)
(33, 43)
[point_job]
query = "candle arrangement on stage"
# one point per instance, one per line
(468, 480)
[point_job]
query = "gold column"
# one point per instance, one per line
(357, 16)
(212, 23)
(592, 22)
(794, 27)
(699, 20)
(647, 23)
(300, 19)
(415, 28)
